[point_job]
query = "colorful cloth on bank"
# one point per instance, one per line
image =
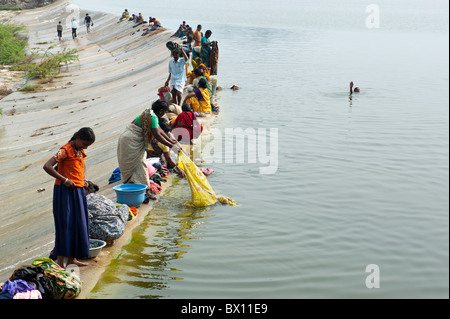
(66, 283)
(106, 220)
(51, 280)
(31, 294)
(35, 276)
(70, 164)
(71, 221)
(17, 286)
(115, 176)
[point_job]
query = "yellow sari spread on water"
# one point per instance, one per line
(202, 192)
(200, 102)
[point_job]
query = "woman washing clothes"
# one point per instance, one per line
(199, 100)
(184, 126)
(133, 142)
(157, 149)
(205, 52)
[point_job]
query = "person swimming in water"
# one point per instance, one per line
(356, 90)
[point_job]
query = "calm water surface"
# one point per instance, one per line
(361, 180)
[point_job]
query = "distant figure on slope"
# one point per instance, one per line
(198, 35)
(59, 29)
(88, 22)
(125, 15)
(356, 90)
(74, 28)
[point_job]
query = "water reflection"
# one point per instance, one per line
(144, 265)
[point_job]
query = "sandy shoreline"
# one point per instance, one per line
(116, 78)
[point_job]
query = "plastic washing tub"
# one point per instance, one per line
(131, 194)
(95, 247)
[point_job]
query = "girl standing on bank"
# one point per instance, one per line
(69, 198)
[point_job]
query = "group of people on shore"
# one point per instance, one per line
(139, 20)
(160, 131)
(88, 22)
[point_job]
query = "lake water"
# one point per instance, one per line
(360, 180)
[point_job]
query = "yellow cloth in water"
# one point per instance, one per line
(202, 192)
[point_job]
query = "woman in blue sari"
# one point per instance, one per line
(205, 52)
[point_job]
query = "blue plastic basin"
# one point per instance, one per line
(131, 194)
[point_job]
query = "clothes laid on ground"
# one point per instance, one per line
(115, 176)
(6, 295)
(35, 275)
(31, 294)
(106, 220)
(155, 188)
(52, 281)
(67, 284)
(17, 286)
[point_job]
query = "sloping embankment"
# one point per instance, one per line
(116, 78)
